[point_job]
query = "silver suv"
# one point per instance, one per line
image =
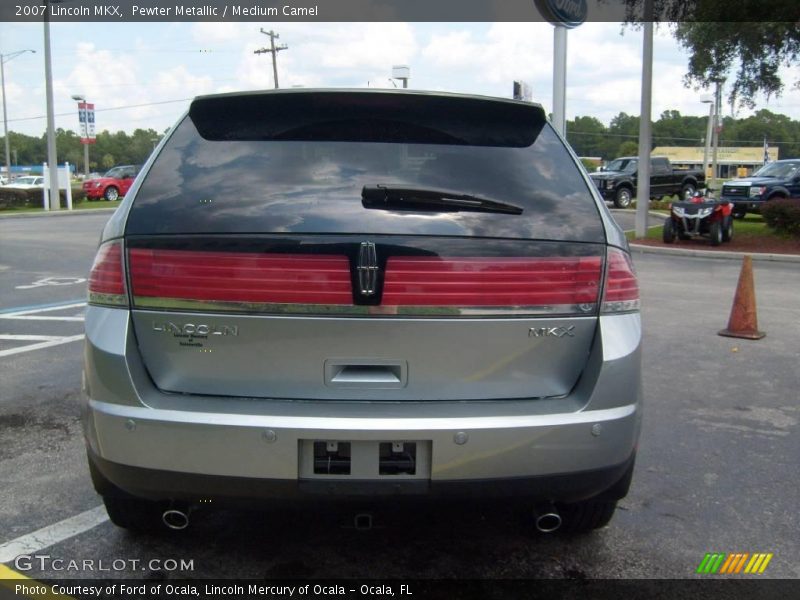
(336, 294)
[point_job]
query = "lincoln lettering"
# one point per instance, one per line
(201, 329)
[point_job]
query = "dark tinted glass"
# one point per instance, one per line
(200, 186)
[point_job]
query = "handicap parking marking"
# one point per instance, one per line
(53, 534)
(33, 313)
(56, 281)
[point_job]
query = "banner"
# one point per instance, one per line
(86, 123)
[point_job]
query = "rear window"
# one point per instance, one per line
(313, 185)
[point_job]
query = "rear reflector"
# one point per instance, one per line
(107, 277)
(159, 277)
(552, 285)
(622, 289)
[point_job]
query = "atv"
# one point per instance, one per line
(700, 215)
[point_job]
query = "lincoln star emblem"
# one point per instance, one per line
(367, 268)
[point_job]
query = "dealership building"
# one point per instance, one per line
(732, 161)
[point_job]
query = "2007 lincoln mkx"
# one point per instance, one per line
(317, 295)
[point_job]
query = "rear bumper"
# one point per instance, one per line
(174, 446)
(194, 488)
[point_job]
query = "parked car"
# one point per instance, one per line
(617, 181)
(325, 295)
(27, 182)
(113, 185)
(778, 179)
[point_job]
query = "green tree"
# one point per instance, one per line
(628, 148)
(753, 51)
(107, 161)
(586, 135)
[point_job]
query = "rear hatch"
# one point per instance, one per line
(361, 245)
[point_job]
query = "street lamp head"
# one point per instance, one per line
(79, 98)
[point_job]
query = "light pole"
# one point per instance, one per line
(52, 157)
(717, 127)
(4, 58)
(709, 129)
(78, 98)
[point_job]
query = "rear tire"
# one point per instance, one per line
(739, 214)
(715, 231)
(588, 515)
(727, 229)
(668, 234)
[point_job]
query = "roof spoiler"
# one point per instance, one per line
(367, 116)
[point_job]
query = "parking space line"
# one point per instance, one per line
(53, 534)
(31, 307)
(25, 310)
(9, 576)
(40, 346)
(39, 318)
(29, 338)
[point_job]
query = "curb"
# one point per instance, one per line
(718, 254)
(59, 213)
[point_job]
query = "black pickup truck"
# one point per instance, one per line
(779, 179)
(617, 181)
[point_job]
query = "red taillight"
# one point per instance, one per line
(238, 277)
(107, 277)
(552, 284)
(622, 289)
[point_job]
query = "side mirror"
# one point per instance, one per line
(601, 169)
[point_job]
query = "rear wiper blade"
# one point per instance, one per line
(410, 198)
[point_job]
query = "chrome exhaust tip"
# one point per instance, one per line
(175, 519)
(547, 519)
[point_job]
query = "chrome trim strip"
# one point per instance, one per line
(147, 302)
(361, 424)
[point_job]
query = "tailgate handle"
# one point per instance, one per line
(372, 374)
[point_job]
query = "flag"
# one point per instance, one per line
(766, 151)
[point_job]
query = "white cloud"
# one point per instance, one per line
(124, 65)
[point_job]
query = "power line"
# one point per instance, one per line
(107, 109)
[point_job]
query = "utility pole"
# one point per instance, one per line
(273, 49)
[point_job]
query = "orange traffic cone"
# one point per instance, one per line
(744, 322)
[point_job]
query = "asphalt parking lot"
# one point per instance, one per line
(717, 469)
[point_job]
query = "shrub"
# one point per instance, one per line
(11, 197)
(783, 215)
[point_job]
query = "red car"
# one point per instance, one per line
(112, 185)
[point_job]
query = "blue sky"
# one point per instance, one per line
(141, 75)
